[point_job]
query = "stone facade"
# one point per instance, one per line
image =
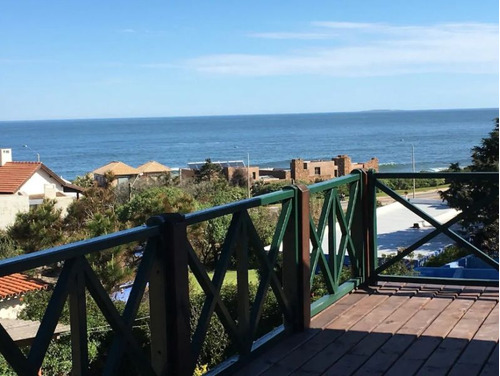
(312, 171)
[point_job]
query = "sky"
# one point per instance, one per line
(112, 59)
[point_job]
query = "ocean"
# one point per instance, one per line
(74, 147)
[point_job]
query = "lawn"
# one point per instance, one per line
(229, 279)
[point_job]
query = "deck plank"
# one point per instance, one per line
(394, 329)
(491, 366)
(335, 329)
(477, 352)
(401, 311)
(388, 354)
(416, 355)
(444, 357)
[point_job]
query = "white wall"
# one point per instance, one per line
(35, 185)
(10, 205)
(10, 308)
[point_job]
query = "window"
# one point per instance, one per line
(305, 166)
(254, 175)
(317, 170)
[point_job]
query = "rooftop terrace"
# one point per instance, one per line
(369, 323)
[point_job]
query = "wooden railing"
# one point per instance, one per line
(308, 243)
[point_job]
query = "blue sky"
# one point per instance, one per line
(94, 59)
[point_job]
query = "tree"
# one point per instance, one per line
(209, 171)
(481, 224)
(155, 201)
(38, 228)
(239, 178)
(8, 246)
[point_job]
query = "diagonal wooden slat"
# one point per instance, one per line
(265, 280)
(132, 305)
(143, 366)
(445, 228)
(275, 283)
(439, 228)
(212, 289)
(14, 356)
(52, 313)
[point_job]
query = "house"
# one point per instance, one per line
(13, 287)
(24, 185)
(318, 170)
(152, 169)
(121, 172)
(228, 168)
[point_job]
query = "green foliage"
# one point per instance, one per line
(154, 201)
(482, 224)
(261, 188)
(319, 287)
(239, 178)
(85, 181)
(38, 228)
(449, 254)
(209, 171)
(100, 335)
(96, 200)
(8, 247)
(398, 268)
(407, 184)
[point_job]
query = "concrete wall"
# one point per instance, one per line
(10, 205)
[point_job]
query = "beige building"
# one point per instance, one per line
(27, 184)
(121, 172)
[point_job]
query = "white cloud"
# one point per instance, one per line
(369, 49)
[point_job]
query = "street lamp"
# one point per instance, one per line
(37, 154)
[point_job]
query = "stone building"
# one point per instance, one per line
(310, 171)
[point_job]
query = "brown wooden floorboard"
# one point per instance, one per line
(394, 329)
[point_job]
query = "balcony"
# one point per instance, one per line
(365, 322)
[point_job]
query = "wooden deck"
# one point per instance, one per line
(394, 329)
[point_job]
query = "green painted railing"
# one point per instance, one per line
(303, 237)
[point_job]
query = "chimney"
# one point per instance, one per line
(5, 156)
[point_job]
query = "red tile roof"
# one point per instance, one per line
(14, 174)
(17, 284)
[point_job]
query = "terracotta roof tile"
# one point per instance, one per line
(17, 284)
(152, 167)
(117, 168)
(14, 174)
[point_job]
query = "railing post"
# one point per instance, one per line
(363, 228)
(371, 208)
(169, 300)
(296, 260)
(78, 321)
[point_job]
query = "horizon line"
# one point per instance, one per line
(250, 114)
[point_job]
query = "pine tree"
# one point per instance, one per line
(482, 224)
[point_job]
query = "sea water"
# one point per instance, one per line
(74, 147)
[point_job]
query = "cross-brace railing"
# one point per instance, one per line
(303, 245)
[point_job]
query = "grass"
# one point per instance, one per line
(230, 278)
